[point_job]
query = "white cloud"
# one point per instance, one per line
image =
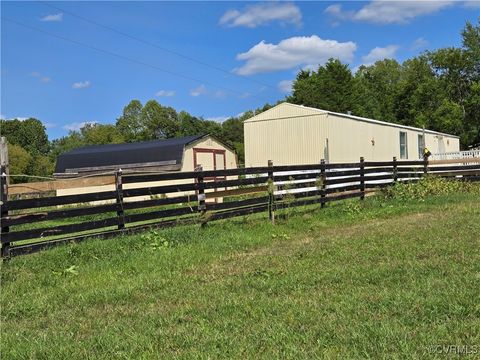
(166, 93)
(81, 84)
(19, 118)
(475, 4)
(292, 52)
(199, 90)
(218, 118)
(77, 125)
(380, 53)
(220, 94)
(42, 78)
(53, 17)
(389, 12)
(419, 43)
(337, 12)
(48, 125)
(285, 86)
(261, 14)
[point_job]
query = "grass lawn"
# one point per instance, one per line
(378, 279)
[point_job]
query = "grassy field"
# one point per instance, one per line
(378, 279)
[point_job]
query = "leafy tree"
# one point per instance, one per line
(19, 160)
(67, 143)
(329, 88)
(189, 125)
(160, 122)
(418, 95)
(97, 134)
(376, 88)
(471, 45)
(41, 165)
(30, 134)
(130, 124)
(232, 135)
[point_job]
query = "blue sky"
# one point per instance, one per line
(252, 51)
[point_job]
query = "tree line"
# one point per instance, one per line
(31, 152)
(438, 90)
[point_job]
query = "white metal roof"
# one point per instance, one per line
(310, 111)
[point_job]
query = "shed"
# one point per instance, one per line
(169, 155)
(177, 154)
(292, 134)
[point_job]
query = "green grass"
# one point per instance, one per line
(378, 279)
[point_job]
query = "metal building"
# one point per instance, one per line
(177, 154)
(170, 155)
(292, 134)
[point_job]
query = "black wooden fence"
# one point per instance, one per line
(31, 224)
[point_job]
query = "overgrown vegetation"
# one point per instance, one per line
(430, 186)
(379, 278)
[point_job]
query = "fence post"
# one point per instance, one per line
(395, 169)
(4, 158)
(4, 210)
(119, 189)
(362, 178)
(202, 207)
(271, 193)
(323, 176)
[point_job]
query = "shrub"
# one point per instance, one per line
(428, 186)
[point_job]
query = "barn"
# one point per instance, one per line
(169, 155)
(292, 134)
(177, 154)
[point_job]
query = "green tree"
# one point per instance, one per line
(30, 134)
(329, 88)
(418, 95)
(190, 125)
(130, 124)
(97, 134)
(19, 160)
(232, 135)
(471, 45)
(67, 143)
(160, 122)
(375, 90)
(41, 165)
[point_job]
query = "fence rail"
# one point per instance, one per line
(32, 224)
(455, 155)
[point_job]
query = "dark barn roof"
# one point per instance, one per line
(129, 155)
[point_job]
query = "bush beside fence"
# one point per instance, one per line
(29, 225)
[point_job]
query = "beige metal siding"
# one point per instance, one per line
(287, 141)
(292, 134)
(350, 139)
(283, 110)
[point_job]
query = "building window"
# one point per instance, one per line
(403, 145)
(421, 146)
